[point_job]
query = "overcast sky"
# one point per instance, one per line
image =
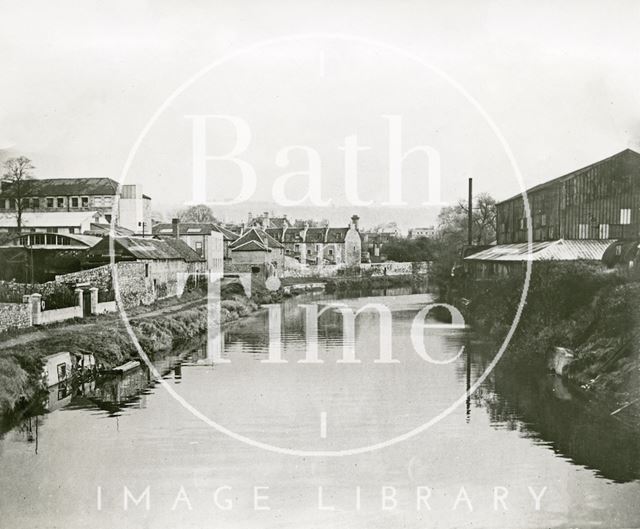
(80, 80)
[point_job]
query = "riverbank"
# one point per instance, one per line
(159, 328)
(594, 313)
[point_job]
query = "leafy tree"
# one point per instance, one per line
(17, 177)
(199, 213)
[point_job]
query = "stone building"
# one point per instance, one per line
(320, 246)
(78, 222)
(205, 239)
(159, 266)
(255, 250)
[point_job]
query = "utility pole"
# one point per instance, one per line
(470, 214)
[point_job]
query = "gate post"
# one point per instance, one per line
(80, 301)
(36, 309)
(94, 300)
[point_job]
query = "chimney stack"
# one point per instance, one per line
(175, 225)
(354, 221)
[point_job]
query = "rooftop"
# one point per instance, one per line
(560, 250)
(627, 153)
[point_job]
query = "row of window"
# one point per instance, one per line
(57, 202)
(541, 220)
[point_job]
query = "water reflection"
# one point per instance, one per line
(552, 420)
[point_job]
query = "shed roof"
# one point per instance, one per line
(559, 250)
(627, 153)
(151, 248)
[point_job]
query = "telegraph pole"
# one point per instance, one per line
(470, 214)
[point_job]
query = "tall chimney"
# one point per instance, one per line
(354, 221)
(175, 225)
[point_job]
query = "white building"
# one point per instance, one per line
(131, 207)
(53, 222)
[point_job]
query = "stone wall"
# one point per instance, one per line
(14, 316)
(374, 269)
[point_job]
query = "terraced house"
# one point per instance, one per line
(319, 246)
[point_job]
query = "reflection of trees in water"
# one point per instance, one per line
(543, 408)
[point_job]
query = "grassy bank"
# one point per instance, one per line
(159, 329)
(593, 312)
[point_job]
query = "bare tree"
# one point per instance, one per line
(200, 213)
(16, 180)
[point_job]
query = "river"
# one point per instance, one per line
(522, 451)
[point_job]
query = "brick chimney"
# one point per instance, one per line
(354, 221)
(175, 225)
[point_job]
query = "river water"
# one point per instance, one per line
(522, 451)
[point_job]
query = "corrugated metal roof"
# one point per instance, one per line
(155, 249)
(560, 250)
(50, 219)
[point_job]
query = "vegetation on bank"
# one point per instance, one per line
(592, 311)
(367, 282)
(159, 329)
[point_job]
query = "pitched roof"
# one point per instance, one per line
(49, 219)
(150, 248)
(70, 186)
(257, 235)
(251, 246)
(560, 250)
(102, 230)
(194, 228)
(627, 153)
(337, 234)
(227, 234)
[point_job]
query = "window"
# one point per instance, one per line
(35, 203)
(625, 216)
(308, 252)
(146, 270)
(296, 247)
(199, 248)
(583, 231)
(74, 202)
(60, 202)
(331, 251)
(543, 219)
(85, 202)
(604, 231)
(49, 202)
(72, 230)
(522, 223)
(62, 371)
(53, 230)
(3, 204)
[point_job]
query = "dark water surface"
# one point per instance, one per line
(518, 435)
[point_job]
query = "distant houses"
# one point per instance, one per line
(573, 217)
(257, 251)
(321, 246)
(206, 239)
